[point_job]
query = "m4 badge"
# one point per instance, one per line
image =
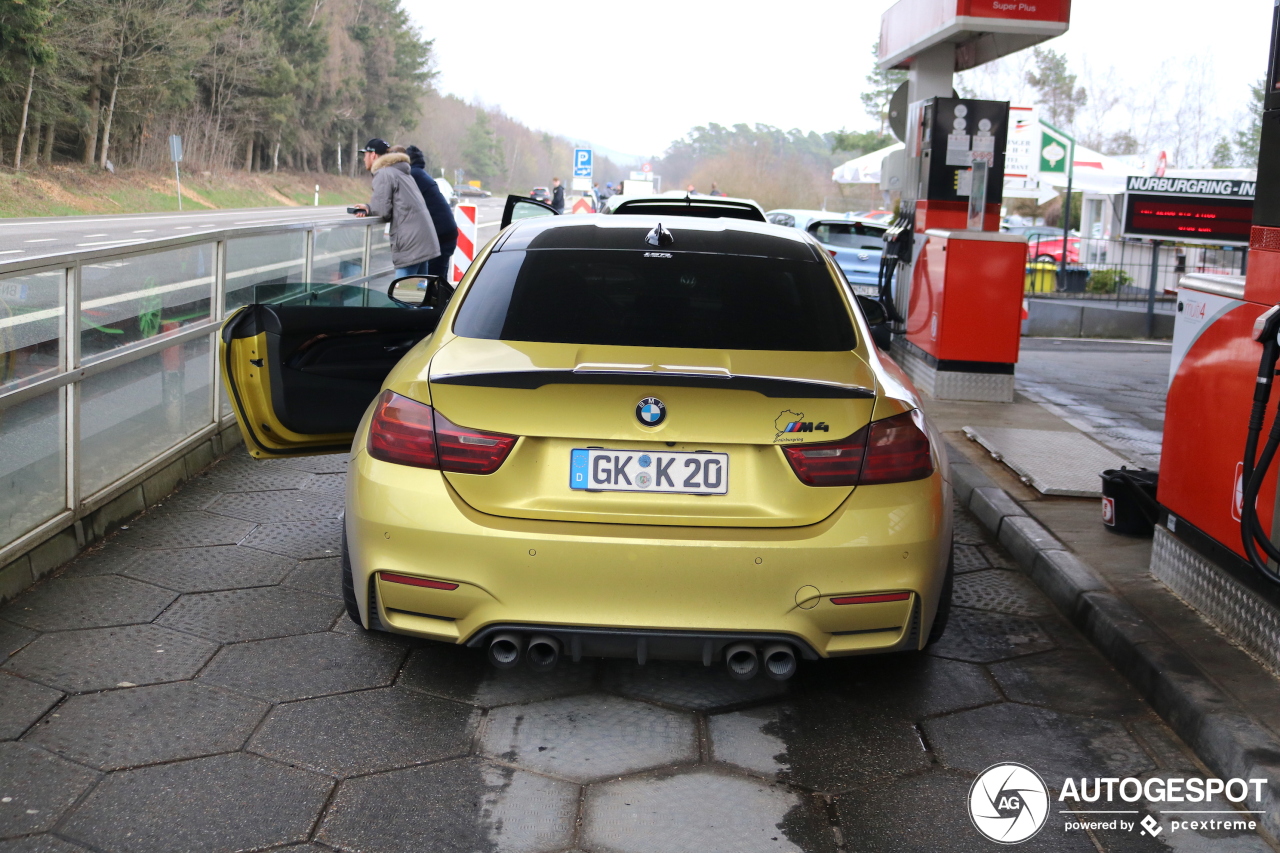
(789, 422)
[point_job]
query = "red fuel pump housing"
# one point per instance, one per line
(966, 299)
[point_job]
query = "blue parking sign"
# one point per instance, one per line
(582, 162)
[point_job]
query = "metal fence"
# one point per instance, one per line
(107, 357)
(1122, 272)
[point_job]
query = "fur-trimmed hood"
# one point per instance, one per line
(388, 159)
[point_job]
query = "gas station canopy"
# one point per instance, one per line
(981, 30)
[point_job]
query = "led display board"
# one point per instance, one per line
(1192, 210)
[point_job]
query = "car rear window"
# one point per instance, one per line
(848, 235)
(657, 299)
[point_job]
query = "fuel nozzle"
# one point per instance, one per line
(1266, 331)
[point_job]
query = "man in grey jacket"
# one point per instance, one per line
(397, 200)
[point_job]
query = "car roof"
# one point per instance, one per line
(692, 234)
(669, 204)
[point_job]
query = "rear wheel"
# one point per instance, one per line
(944, 604)
(348, 585)
(1046, 259)
(349, 593)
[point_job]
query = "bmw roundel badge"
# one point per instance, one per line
(650, 411)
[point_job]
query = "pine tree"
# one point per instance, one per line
(481, 150)
(883, 84)
(1059, 96)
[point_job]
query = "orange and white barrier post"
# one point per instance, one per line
(465, 216)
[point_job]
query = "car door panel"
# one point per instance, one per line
(301, 378)
(521, 207)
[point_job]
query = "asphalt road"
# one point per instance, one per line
(24, 238)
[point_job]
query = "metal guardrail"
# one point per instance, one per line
(108, 365)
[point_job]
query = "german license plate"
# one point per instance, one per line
(595, 469)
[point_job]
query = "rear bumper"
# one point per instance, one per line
(635, 581)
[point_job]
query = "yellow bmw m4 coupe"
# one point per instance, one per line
(621, 436)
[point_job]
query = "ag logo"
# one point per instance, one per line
(1008, 803)
(650, 411)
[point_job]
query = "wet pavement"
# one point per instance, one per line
(193, 684)
(1112, 390)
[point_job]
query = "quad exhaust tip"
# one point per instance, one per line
(779, 661)
(543, 653)
(742, 661)
(505, 651)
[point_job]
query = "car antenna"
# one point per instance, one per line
(659, 236)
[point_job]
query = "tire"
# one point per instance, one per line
(349, 593)
(348, 585)
(1046, 259)
(944, 604)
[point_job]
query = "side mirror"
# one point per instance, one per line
(420, 291)
(873, 311)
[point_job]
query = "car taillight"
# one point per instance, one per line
(407, 432)
(835, 463)
(898, 451)
(470, 451)
(894, 450)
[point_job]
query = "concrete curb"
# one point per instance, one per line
(1229, 742)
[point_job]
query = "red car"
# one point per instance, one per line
(1050, 249)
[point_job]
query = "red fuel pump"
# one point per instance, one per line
(960, 280)
(1216, 541)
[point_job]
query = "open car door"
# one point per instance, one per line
(300, 377)
(522, 207)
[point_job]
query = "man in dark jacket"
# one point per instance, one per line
(557, 196)
(438, 207)
(397, 200)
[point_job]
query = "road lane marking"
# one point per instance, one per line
(181, 227)
(12, 252)
(91, 236)
(145, 231)
(41, 240)
(112, 242)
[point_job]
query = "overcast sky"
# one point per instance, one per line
(632, 77)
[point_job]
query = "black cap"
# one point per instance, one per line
(376, 146)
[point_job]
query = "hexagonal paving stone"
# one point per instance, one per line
(99, 658)
(1056, 745)
(698, 812)
(330, 463)
(235, 615)
(750, 739)
(366, 731)
(589, 737)
(997, 557)
(323, 577)
(999, 591)
(829, 744)
(110, 558)
(461, 806)
(306, 666)
(981, 637)
(334, 485)
(302, 540)
(1075, 681)
(13, 637)
(686, 684)
(36, 787)
(910, 686)
(188, 499)
(968, 559)
(968, 531)
(148, 725)
(928, 814)
(22, 702)
(184, 530)
(40, 844)
(221, 803)
(65, 604)
(246, 474)
(265, 507)
(464, 674)
(209, 569)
